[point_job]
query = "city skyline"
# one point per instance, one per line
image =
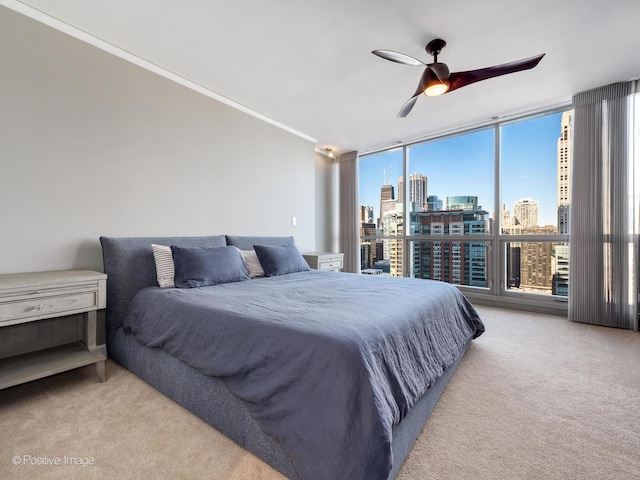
(463, 166)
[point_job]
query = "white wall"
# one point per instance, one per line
(326, 204)
(92, 145)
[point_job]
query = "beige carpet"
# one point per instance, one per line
(536, 397)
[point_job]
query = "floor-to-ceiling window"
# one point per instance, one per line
(485, 209)
(535, 157)
(449, 195)
(381, 225)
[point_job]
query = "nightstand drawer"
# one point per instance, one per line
(330, 265)
(324, 260)
(46, 306)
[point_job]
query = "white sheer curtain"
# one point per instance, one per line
(348, 192)
(603, 274)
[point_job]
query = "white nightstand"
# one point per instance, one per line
(40, 333)
(324, 260)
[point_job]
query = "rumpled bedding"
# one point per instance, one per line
(326, 362)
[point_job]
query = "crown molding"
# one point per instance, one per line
(83, 36)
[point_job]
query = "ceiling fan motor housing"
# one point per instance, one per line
(435, 46)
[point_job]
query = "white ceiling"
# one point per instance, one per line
(308, 64)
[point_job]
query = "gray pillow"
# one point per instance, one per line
(203, 266)
(280, 259)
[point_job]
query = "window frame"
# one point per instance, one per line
(496, 293)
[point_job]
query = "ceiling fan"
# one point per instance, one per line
(436, 78)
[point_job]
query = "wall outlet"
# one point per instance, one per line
(294, 221)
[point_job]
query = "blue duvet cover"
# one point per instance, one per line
(327, 362)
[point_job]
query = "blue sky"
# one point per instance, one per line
(463, 165)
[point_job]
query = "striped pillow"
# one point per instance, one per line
(253, 264)
(165, 271)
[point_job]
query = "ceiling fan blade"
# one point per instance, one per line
(427, 76)
(406, 108)
(397, 57)
(462, 79)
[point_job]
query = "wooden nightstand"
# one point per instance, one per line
(324, 260)
(40, 333)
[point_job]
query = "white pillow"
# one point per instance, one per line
(253, 264)
(165, 271)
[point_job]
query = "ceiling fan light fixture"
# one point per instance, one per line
(436, 88)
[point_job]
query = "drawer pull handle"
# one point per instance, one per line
(39, 307)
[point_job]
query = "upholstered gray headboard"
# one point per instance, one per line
(130, 267)
(247, 243)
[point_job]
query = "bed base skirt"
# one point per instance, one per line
(208, 398)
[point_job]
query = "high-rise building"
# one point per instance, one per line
(525, 212)
(513, 265)
(368, 249)
(560, 270)
(367, 229)
(387, 192)
(561, 252)
(417, 192)
(392, 218)
(387, 202)
(392, 225)
(458, 262)
(510, 226)
(366, 214)
(434, 204)
(461, 203)
(365, 255)
(564, 169)
(536, 261)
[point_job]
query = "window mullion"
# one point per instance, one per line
(498, 260)
(406, 217)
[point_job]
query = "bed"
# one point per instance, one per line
(293, 367)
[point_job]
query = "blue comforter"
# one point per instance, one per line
(326, 362)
